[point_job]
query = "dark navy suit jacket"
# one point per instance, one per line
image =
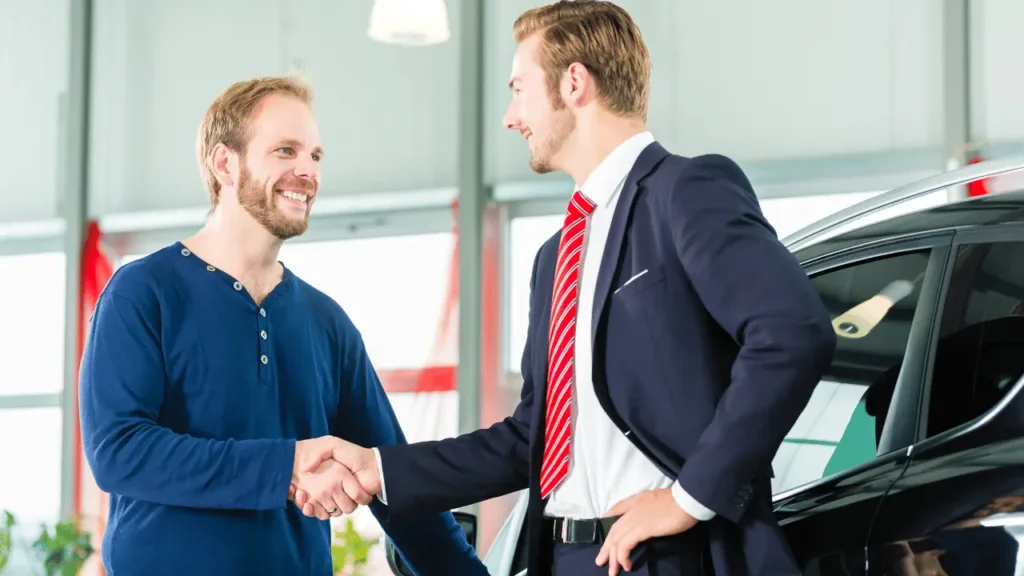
(705, 361)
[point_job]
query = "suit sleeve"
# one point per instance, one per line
(756, 291)
(432, 544)
(121, 395)
(429, 477)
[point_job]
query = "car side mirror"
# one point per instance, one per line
(398, 566)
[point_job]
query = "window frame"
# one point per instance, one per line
(903, 416)
(1008, 232)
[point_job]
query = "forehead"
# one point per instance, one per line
(279, 116)
(524, 61)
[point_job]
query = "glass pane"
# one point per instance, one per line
(980, 354)
(526, 235)
(32, 345)
(30, 484)
(872, 305)
(393, 289)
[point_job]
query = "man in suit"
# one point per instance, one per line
(673, 339)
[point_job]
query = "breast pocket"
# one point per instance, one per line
(635, 284)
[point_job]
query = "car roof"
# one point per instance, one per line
(982, 211)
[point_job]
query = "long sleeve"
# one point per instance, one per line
(428, 477)
(433, 544)
(757, 292)
(122, 392)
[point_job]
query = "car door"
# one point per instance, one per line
(959, 507)
(849, 444)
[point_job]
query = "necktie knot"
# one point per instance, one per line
(580, 205)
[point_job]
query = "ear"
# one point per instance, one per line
(224, 164)
(578, 86)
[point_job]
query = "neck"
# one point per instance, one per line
(237, 244)
(594, 139)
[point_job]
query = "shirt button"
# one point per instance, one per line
(238, 285)
(263, 334)
(263, 358)
(210, 268)
(185, 251)
(263, 312)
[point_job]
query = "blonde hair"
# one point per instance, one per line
(228, 119)
(602, 37)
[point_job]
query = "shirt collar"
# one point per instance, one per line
(602, 183)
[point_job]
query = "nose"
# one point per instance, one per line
(511, 119)
(307, 168)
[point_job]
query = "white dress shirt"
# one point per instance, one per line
(604, 466)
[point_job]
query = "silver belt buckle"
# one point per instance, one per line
(565, 530)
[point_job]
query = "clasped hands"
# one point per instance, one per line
(331, 477)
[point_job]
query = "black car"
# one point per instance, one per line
(909, 458)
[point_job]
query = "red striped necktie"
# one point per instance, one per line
(562, 345)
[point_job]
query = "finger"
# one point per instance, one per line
(602, 554)
(321, 511)
(342, 504)
(301, 497)
(353, 489)
(291, 492)
(627, 542)
(308, 510)
(621, 507)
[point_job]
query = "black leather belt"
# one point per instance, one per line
(571, 531)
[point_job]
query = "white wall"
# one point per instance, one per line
(33, 76)
(387, 114)
(997, 85)
(766, 80)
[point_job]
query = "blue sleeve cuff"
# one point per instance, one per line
(383, 496)
(689, 504)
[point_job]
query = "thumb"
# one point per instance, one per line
(621, 508)
(313, 454)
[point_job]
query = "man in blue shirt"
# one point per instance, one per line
(214, 379)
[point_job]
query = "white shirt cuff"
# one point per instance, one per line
(688, 504)
(383, 496)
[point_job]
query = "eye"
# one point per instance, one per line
(317, 157)
(286, 150)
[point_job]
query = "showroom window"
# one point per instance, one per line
(32, 354)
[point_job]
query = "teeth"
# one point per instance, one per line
(294, 195)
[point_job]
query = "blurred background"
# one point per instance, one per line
(822, 103)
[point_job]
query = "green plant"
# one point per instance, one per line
(65, 552)
(350, 552)
(5, 539)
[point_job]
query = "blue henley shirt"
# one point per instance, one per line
(192, 399)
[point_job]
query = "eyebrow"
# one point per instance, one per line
(297, 144)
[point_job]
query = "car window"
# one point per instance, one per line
(979, 354)
(872, 304)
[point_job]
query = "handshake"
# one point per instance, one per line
(331, 477)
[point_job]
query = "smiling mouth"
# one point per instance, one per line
(300, 197)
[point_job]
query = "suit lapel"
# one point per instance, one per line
(645, 163)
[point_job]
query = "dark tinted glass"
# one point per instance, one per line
(980, 352)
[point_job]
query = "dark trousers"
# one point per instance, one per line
(680, 555)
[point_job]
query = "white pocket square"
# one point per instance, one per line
(635, 276)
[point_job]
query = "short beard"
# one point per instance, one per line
(563, 123)
(253, 196)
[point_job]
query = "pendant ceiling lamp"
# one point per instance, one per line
(409, 22)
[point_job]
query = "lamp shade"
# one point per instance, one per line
(857, 322)
(409, 22)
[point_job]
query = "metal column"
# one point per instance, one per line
(74, 112)
(956, 90)
(472, 200)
